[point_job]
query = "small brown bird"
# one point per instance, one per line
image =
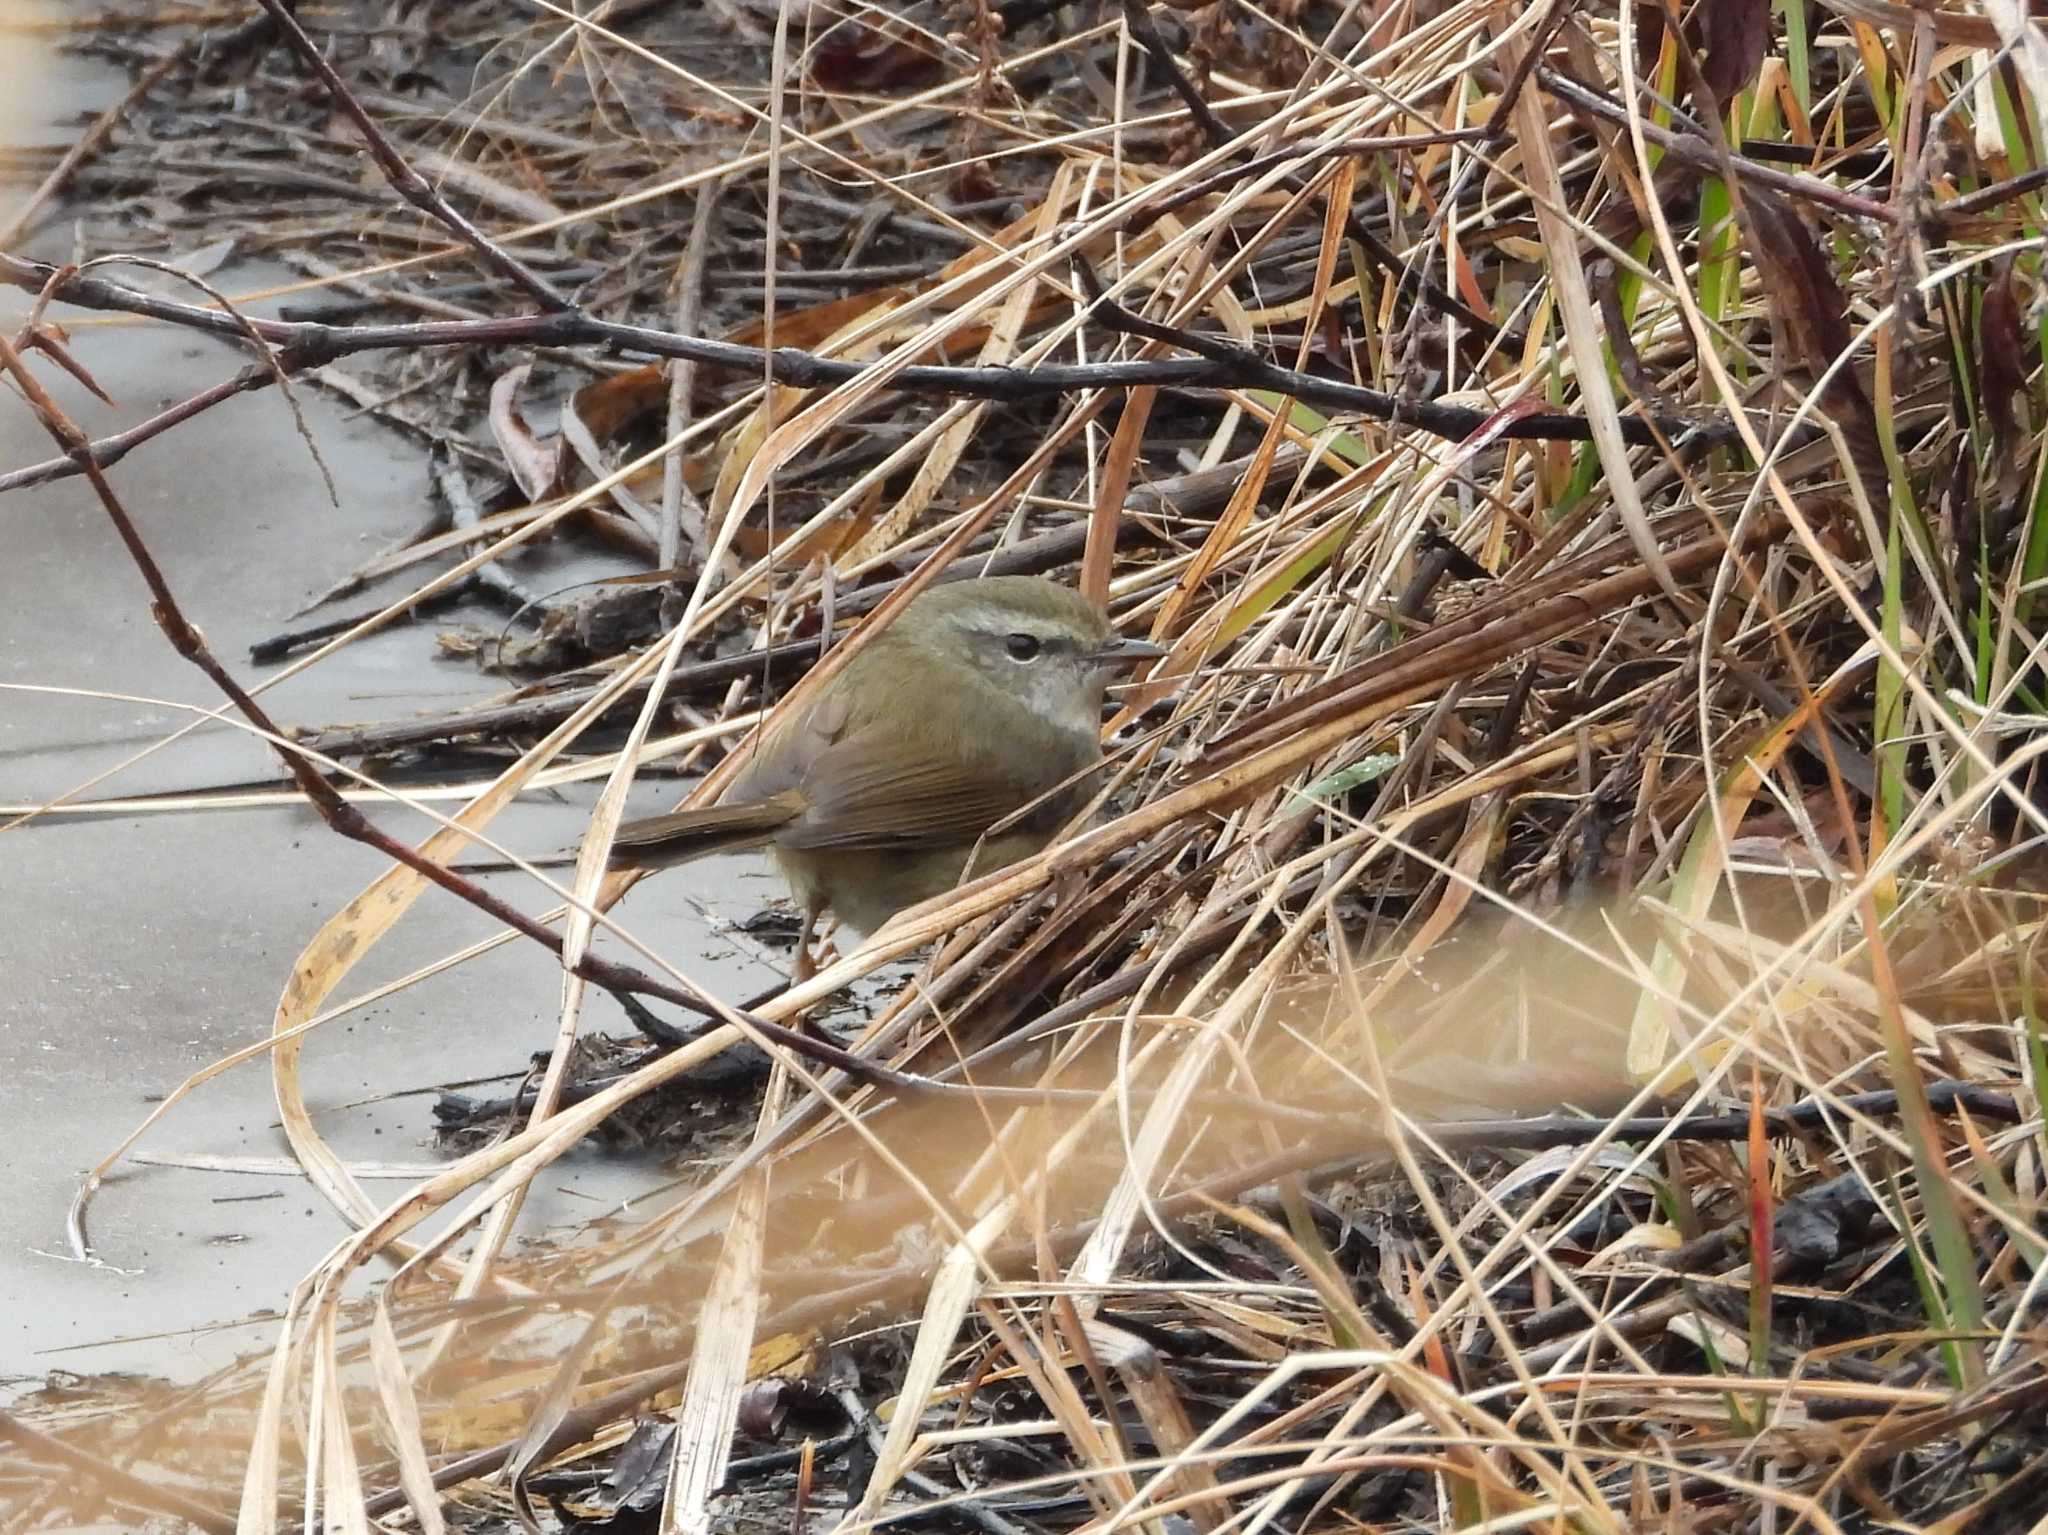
(983, 698)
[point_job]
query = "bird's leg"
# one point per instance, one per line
(806, 964)
(806, 961)
(660, 1031)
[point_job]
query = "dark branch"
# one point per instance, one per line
(406, 181)
(305, 344)
(1248, 370)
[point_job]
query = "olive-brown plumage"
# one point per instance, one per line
(983, 698)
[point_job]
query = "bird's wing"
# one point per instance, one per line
(884, 788)
(786, 752)
(756, 807)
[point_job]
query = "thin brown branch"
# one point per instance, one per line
(1219, 366)
(406, 181)
(110, 450)
(1984, 199)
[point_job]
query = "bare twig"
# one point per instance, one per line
(1450, 421)
(408, 182)
(1696, 152)
(463, 512)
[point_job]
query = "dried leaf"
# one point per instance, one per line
(472, 181)
(611, 406)
(2001, 357)
(208, 259)
(1738, 34)
(865, 58)
(1800, 287)
(534, 467)
(764, 1405)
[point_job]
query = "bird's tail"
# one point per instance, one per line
(662, 840)
(659, 841)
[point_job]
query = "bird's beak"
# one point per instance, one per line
(1121, 652)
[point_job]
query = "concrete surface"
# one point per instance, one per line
(140, 949)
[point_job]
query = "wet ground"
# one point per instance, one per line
(139, 948)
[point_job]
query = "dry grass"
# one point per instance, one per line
(1701, 783)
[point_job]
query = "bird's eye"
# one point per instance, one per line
(1023, 647)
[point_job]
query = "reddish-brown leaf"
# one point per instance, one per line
(764, 1404)
(612, 405)
(2001, 355)
(857, 58)
(1737, 35)
(1799, 285)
